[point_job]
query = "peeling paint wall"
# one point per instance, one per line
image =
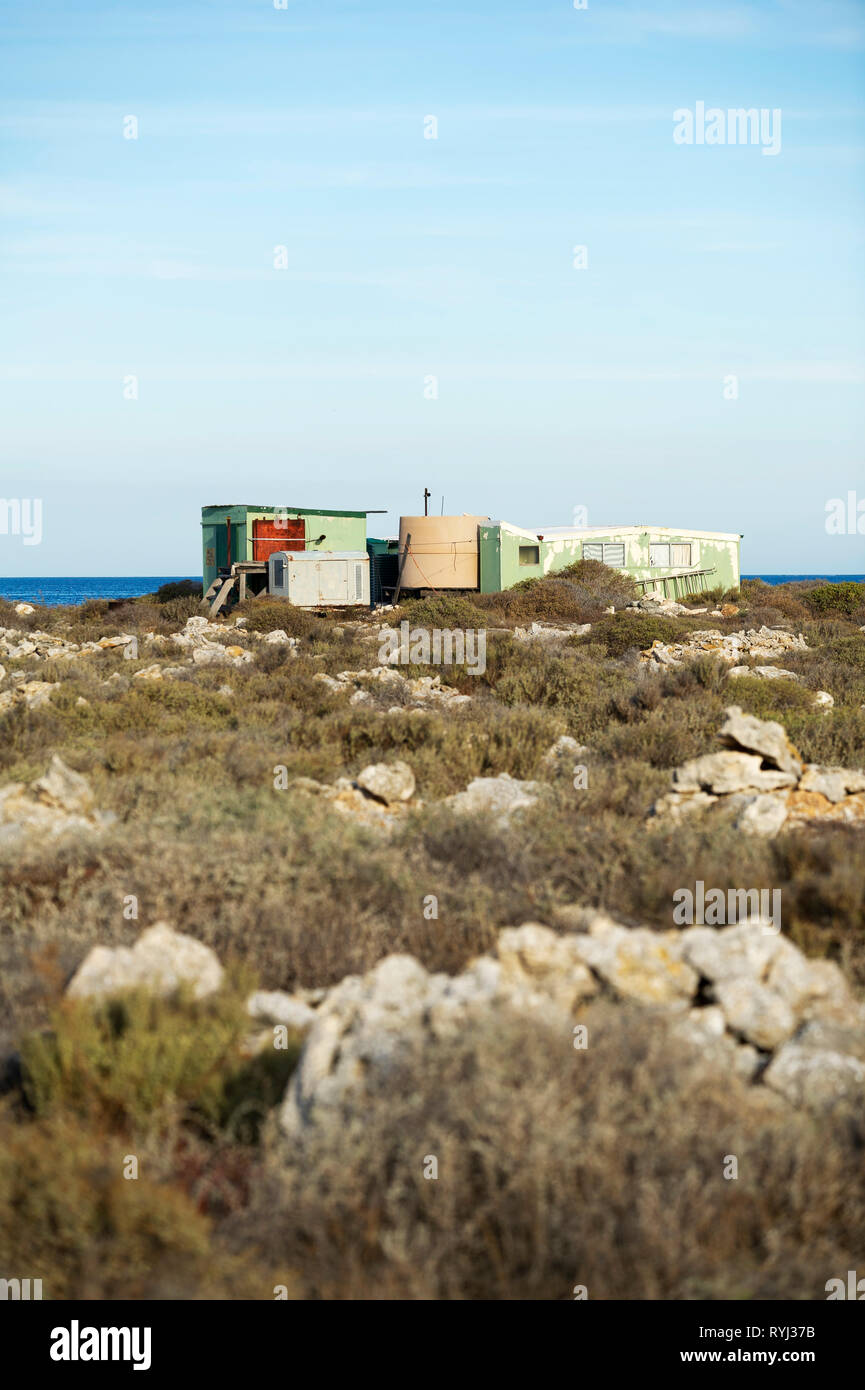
(509, 555)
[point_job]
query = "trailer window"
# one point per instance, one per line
(610, 553)
(659, 556)
(530, 554)
(682, 553)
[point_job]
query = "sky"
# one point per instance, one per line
(324, 255)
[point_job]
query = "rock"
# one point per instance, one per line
(764, 783)
(331, 682)
(535, 958)
(767, 643)
(346, 797)
(809, 808)
(65, 789)
(550, 632)
(767, 995)
(755, 1012)
(212, 654)
(280, 638)
(729, 610)
(764, 985)
(656, 603)
(32, 694)
(729, 772)
(824, 699)
(161, 961)
(775, 673)
(154, 672)
(24, 609)
(761, 814)
(563, 754)
(638, 963)
(835, 783)
(387, 782)
(816, 1079)
(763, 736)
(55, 804)
(496, 797)
(275, 1006)
(674, 807)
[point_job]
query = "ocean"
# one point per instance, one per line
(55, 589)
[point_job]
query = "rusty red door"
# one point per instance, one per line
(277, 533)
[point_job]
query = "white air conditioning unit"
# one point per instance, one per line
(319, 578)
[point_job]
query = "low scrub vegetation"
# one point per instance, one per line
(290, 895)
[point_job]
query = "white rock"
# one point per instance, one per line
(275, 1006)
(387, 782)
(496, 797)
(161, 961)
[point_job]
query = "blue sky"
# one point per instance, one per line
(409, 258)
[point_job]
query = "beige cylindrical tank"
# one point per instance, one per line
(443, 553)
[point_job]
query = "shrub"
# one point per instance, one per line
(623, 632)
(443, 611)
(598, 585)
(179, 588)
(266, 614)
(848, 597)
(137, 1062)
(598, 1167)
(175, 611)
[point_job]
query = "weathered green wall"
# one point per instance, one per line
(342, 531)
(500, 564)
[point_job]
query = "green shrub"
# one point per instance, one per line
(622, 632)
(175, 611)
(134, 1063)
(181, 588)
(443, 611)
(846, 597)
(266, 614)
(599, 585)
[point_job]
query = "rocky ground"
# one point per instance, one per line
(379, 974)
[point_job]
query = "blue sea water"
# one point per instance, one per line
(796, 578)
(55, 589)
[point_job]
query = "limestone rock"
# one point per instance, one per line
(387, 782)
(638, 963)
(763, 736)
(55, 804)
(763, 814)
(161, 960)
(729, 772)
(815, 1078)
(275, 1006)
(496, 797)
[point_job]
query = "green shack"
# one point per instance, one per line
(662, 558)
(250, 535)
